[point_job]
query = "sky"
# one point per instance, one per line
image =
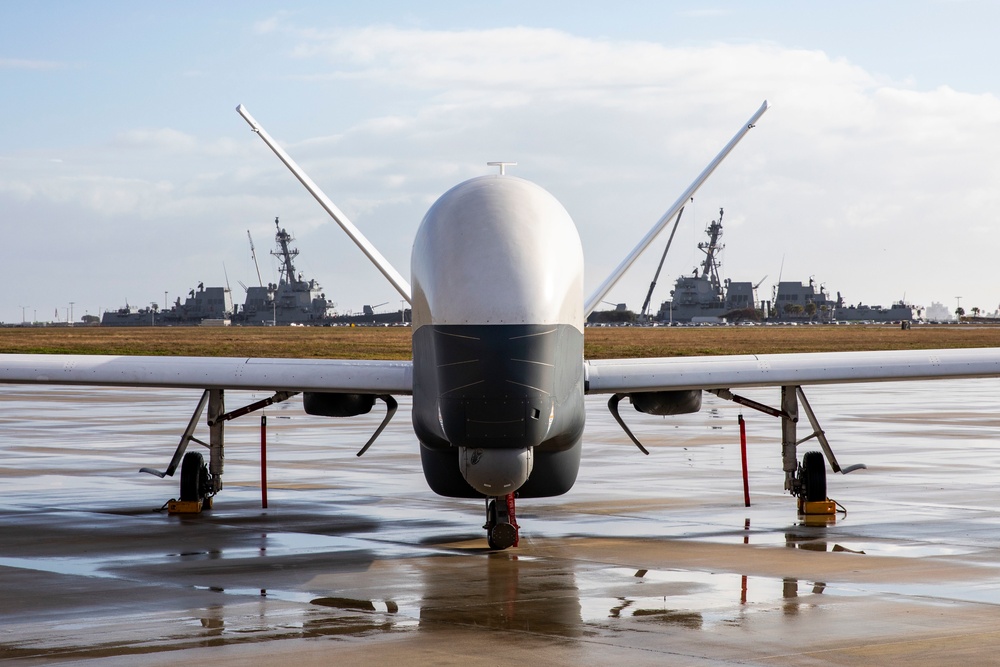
(126, 174)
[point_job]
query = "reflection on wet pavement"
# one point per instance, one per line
(649, 560)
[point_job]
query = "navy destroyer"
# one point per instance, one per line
(703, 296)
(796, 302)
(202, 305)
(293, 300)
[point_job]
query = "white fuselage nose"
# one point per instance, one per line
(497, 250)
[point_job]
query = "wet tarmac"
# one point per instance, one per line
(648, 560)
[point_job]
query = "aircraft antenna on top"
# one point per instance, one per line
(503, 166)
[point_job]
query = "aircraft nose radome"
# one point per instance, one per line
(497, 250)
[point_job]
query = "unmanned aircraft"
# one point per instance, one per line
(498, 383)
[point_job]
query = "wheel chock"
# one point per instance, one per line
(188, 506)
(818, 507)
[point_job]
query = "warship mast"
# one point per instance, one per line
(710, 267)
(287, 271)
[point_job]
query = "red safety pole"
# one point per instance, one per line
(743, 450)
(263, 461)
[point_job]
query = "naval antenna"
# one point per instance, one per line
(503, 166)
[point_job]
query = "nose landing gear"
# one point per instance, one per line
(501, 526)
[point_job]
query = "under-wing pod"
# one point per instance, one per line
(661, 403)
(665, 403)
(330, 404)
(324, 404)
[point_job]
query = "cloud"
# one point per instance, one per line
(557, 63)
(271, 24)
(23, 63)
(705, 13)
(876, 187)
(161, 139)
(842, 149)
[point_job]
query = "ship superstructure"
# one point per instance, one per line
(293, 300)
(204, 304)
(703, 296)
(803, 301)
(810, 302)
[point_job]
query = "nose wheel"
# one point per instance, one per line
(501, 525)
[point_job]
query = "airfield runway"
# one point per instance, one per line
(648, 560)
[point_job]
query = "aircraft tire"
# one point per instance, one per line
(194, 477)
(501, 536)
(814, 476)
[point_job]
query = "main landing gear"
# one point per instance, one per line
(806, 480)
(810, 487)
(811, 478)
(501, 524)
(201, 482)
(196, 484)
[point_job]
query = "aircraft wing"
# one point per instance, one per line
(319, 375)
(770, 370)
(603, 376)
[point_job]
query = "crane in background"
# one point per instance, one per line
(253, 253)
(644, 313)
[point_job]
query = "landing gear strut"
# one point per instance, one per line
(200, 482)
(806, 480)
(501, 524)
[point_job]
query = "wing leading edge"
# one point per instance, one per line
(772, 370)
(319, 375)
(603, 376)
